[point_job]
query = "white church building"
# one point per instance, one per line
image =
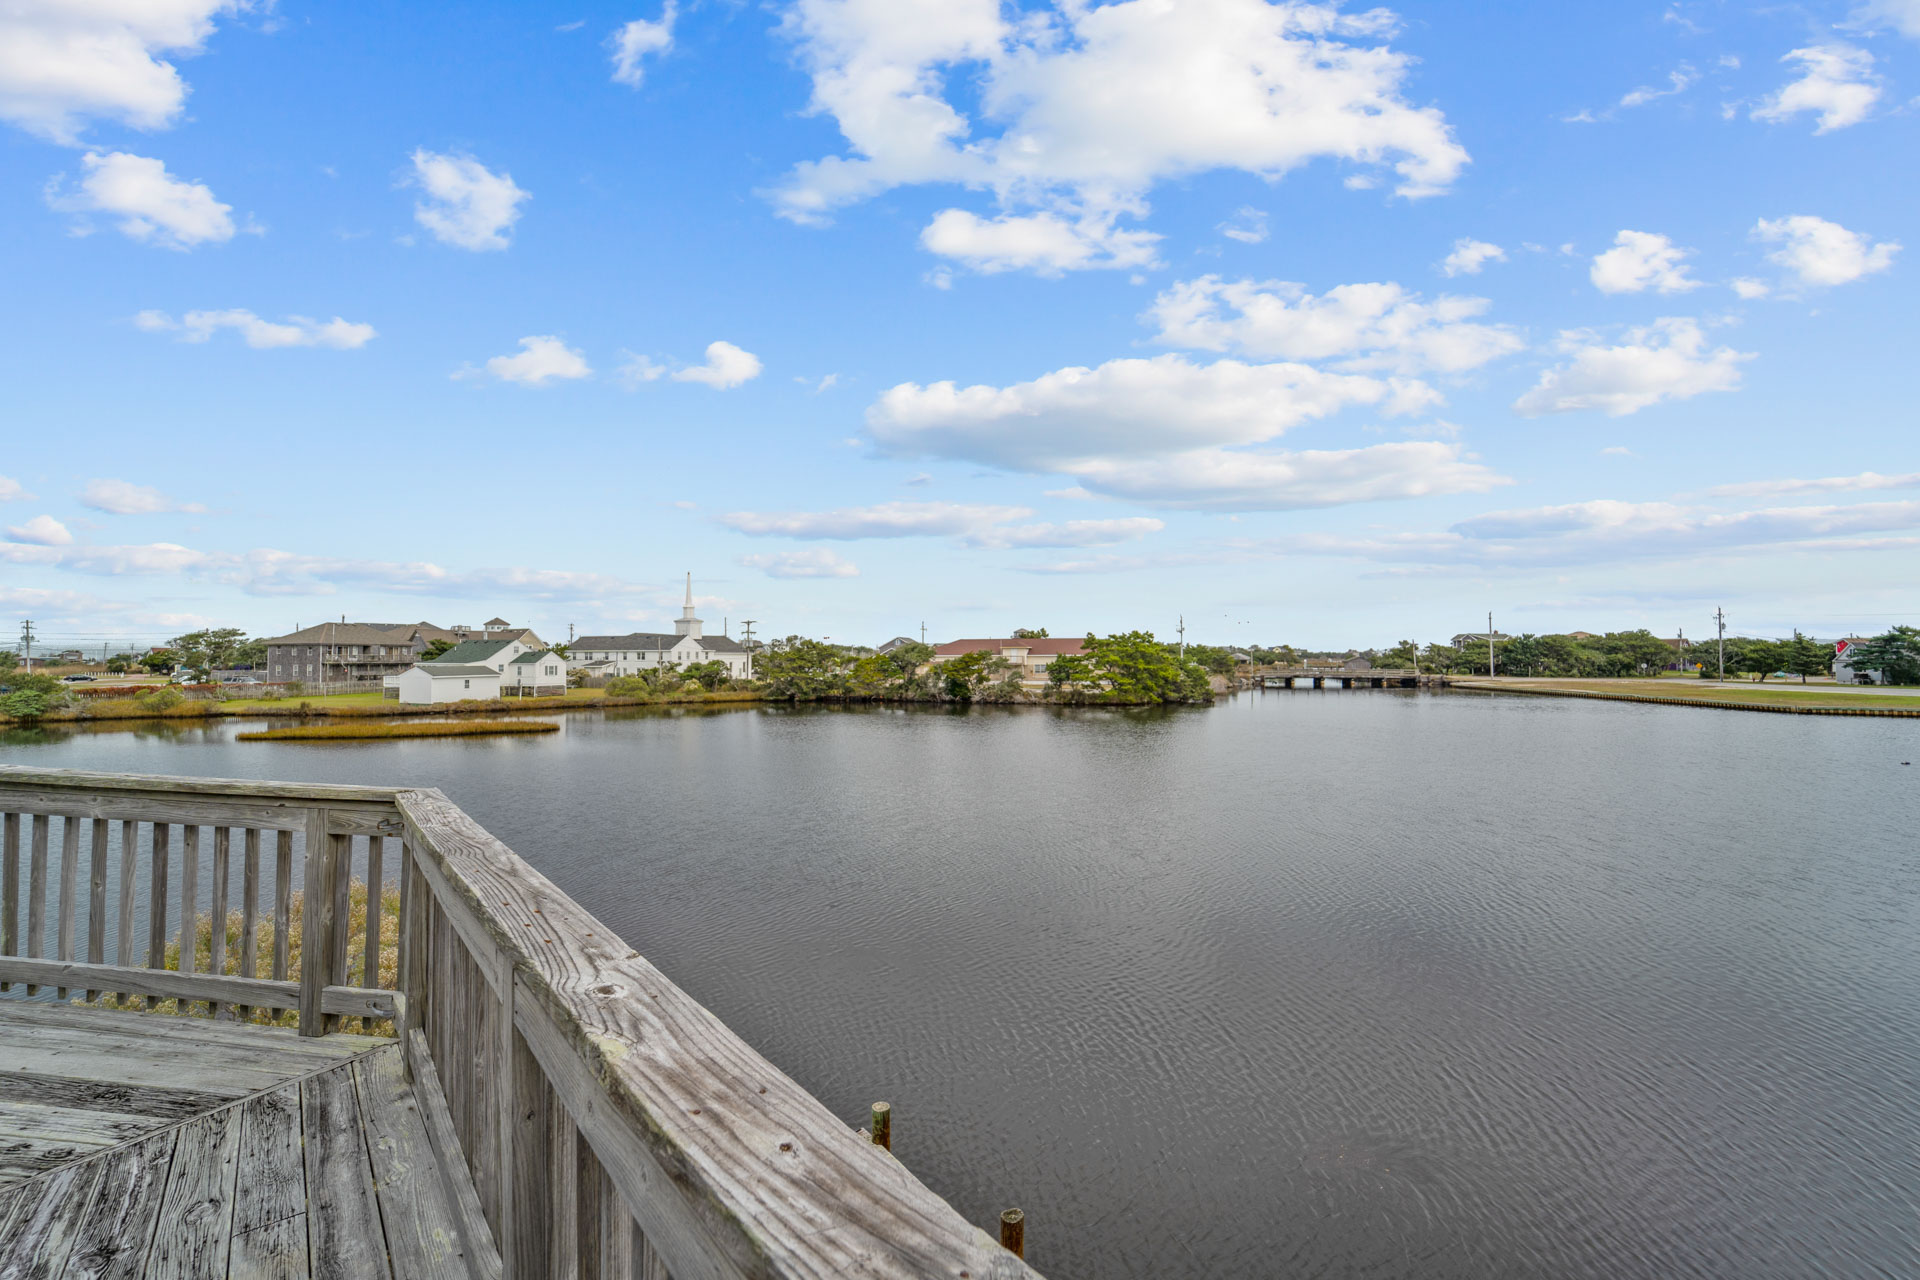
(640, 650)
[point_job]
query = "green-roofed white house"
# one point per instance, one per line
(537, 673)
(452, 676)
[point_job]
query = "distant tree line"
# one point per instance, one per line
(1130, 668)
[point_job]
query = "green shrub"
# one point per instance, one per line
(160, 699)
(25, 704)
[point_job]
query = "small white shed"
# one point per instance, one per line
(429, 682)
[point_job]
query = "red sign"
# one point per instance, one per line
(1840, 647)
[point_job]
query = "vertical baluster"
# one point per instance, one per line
(249, 911)
(318, 953)
(217, 914)
(616, 1233)
(129, 849)
(97, 900)
(370, 964)
(563, 1172)
(157, 903)
(282, 901)
(69, 890)
(339, 953)
(189, 909)
(9, 888)
(37, 893)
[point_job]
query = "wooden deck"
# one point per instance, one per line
(149, 1145)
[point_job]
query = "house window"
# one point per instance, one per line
(466, 684)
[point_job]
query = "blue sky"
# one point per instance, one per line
(1314, 324)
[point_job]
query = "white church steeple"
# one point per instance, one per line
(688, 625)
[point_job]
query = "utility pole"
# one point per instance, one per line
(1183, 637)
(1489, 645)
(746, 642)
(26, 642)
(569, 635)
(923, 633)
(1720, 621)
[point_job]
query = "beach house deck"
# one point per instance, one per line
(476, 1077)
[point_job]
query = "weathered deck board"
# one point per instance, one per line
(343, 1220)
(196, 1219)
(421, 1235)
(145, 1155)
(114, 1236)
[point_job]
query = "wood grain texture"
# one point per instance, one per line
(728, 1165)
(468, 1218)
(157, 897)
(191, 1240)
(422, 1238)
(343, 1219)
(36, 941)
(282, 901)
(303, 793)
(9, 887)
(97, 897)
(316, 938)
(217, 909)
(272, 1182)
(189, 936)
(129, 877)
(278, 1251)
(249, 907)
(114, 1238)
(69, 890)
(163, 984)
(46, 1223)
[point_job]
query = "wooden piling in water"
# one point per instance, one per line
(883, 1125)
(1013, 1232)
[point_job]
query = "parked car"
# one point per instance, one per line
(75, 679)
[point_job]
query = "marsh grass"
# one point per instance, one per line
(411, 729)
(387, 977)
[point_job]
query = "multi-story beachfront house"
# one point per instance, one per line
(639, 650)
(369, 652)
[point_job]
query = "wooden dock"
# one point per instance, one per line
(1341, 678)
(547, 1104)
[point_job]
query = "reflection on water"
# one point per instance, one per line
(1370, 984)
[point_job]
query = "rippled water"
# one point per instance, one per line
(1369, 984)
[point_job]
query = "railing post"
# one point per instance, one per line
(316, 927)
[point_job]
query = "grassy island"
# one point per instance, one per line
(409, 729)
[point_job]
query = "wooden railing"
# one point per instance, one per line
(610, 1125)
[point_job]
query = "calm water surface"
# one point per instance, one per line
(1368, 984)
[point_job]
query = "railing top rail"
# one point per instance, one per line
(748, 1173)
(317, 793)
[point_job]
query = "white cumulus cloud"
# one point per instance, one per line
(65, 61)
(1837, 83)
(1362, 326)
(1129, 407)
(42, 531)
(11, 490)
(1749, 288)
(541, 359)
(151, 204)
(1248, 225)
(1901, 15)
(632, 43)
(1469, 256)
(1077, 111)
(1666, 360)
(814, 562)
(726, 366)
(1819, 252)
(1238, 480)
(124, 498)
(466, 204)
(1045, 243)
(1641, 260)
(973, 524)
(294, 331)
(1866, 481)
